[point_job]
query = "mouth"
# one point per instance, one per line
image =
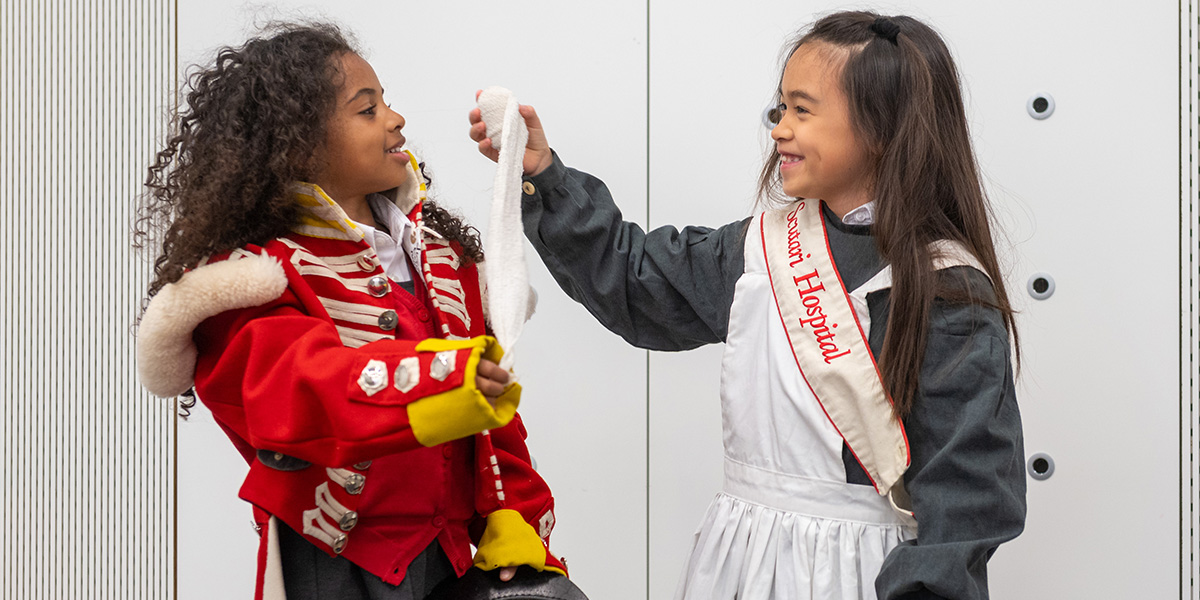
(398, 148)
(789, 160)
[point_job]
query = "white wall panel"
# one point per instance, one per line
(583, 67)
(1089, 195)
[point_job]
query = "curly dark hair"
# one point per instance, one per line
(251, 127)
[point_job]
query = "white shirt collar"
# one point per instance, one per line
(403, 236)
(863, 215)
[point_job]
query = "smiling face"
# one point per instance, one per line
(362, 152)
(820, 155)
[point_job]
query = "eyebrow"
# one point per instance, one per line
(364, 92)
(801, 95)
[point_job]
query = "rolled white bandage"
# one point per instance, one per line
(506, 276)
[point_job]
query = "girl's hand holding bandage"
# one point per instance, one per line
(537, 149)
(491, 380)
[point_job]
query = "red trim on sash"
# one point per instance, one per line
(854, 313)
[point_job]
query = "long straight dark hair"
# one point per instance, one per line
(907, 110)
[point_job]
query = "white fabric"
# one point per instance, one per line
(273, 571)
(507, 277)
(166, 353)
(390, 248)
(835, 362)
(825, 540)
(863, 215)
(787, 526)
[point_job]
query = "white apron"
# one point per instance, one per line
(787, 526)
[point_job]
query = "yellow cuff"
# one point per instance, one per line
(508, 541)
(462, 411)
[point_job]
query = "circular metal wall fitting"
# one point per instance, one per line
(770, 116)
(1040, 466)
(1040, 106)
(1040, 286)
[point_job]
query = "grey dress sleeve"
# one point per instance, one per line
(667, 289)
(967, 477)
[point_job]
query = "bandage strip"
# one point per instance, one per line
(507, 276)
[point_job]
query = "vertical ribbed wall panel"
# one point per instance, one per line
(1189, 259)
(88, 457)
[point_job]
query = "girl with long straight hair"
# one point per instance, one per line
(873, 444)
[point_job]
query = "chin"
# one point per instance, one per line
(398, 181)
(795, 189)
(795, 192)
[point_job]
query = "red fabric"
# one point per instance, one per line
(263, 545)
(279, 378)
(522, 485)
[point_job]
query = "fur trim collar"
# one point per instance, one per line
(166, 354)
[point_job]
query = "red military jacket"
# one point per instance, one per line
(354, 401)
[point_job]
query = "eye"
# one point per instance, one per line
(370, 110)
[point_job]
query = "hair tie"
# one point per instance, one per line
(886, 29)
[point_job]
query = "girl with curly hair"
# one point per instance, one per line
(330, 316)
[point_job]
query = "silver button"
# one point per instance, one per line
(401, 377)
(354, 483)
(366, 263)
(443, 365)
(377, 286)
(374, 377)
(408, 373)
(348, 521)
(363, 466)
(388, 320)
(278, 456)
(339, 544)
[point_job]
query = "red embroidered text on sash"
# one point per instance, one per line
(829, 345)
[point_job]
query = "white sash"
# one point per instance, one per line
(829, 344)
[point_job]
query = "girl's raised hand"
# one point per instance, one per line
(537, 149)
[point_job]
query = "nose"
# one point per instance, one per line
(780, 132)
(396, 122)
